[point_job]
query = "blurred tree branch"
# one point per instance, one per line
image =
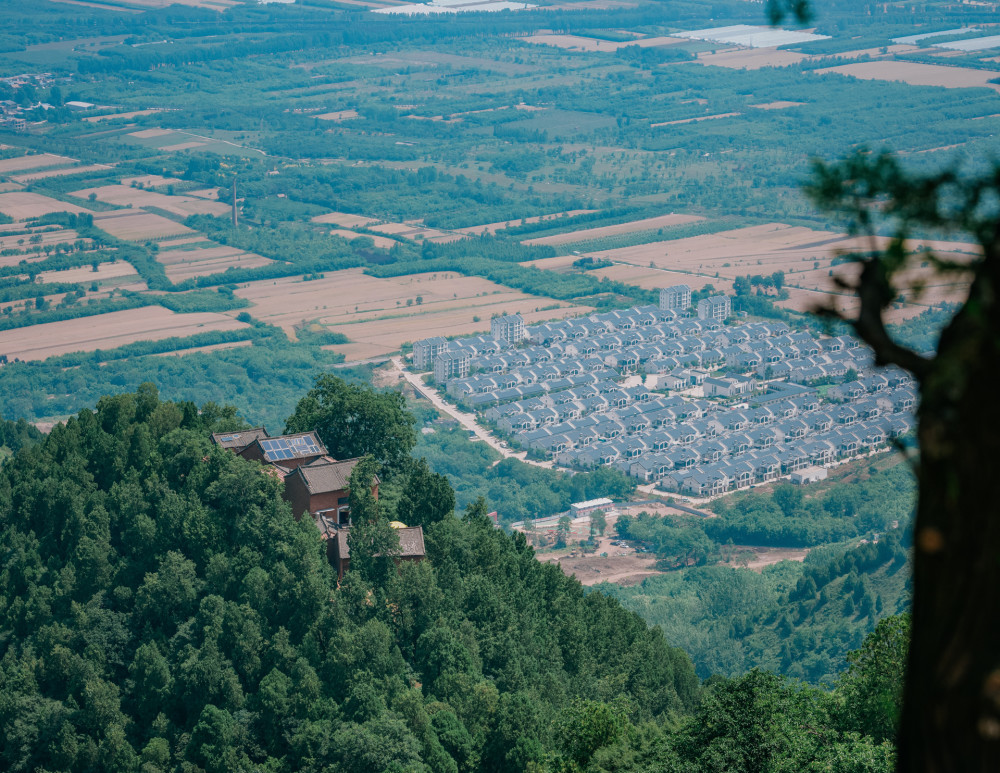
(951, 712)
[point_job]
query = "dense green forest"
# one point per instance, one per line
(163, 610)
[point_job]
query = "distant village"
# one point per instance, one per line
(18, 115)
(693, 400)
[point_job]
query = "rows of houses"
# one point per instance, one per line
(316, 486)
(739, 411)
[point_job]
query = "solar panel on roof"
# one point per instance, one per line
(289, 448)
(228, 438)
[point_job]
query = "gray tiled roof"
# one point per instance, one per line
(327, 474)
(411, 542)
(238, 440)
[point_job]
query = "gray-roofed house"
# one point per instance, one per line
(320, 488)
(288, 451)
(237, 441)
(411, 547)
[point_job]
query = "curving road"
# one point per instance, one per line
(466, 420)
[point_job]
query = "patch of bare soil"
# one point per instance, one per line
(755, 557)
(621, 565)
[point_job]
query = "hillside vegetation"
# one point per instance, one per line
(162, 610)
(800, 620)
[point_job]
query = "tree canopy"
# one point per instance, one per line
(161, 609)
(354, 420)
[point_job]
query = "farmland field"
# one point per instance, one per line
(137, 225)
(383, 242)
(660, 221)
(751, 58)
(381, 335)
(47, 173)
(54, 236)
(344, 219)
(88, 274)
(181, 264)
(577, 43)
(107, 331)
(804, 255)
(384, 313)
(22, 205)
(124, 195)
(917, 74)
(416, 232)
(33, 161)
(491, 228)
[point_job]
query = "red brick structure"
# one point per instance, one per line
(320, 489)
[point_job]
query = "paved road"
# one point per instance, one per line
(467, 420)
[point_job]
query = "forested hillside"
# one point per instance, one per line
(162, 610)
(800, 620)
(161, 604)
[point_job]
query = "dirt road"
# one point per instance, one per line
(466, 420)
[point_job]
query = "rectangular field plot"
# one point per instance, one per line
(654, 279)
(22, 205)
(338, 115)
(107, 331)
(580, 43)
(123, 195)
(86, 274)
(416, 232)
(374, 311)
(151, 180)
(751, 58)
(46, 173)
(181, 264)
(121, 116)
(136, 225)
(661, 221)
(56, 236)
(345, 220)
(752, 36)
(34, 161)
(918, 74)
(491, 228)
(376, 337)
(734, 253)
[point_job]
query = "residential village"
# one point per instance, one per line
(697, 403)
(18, 115)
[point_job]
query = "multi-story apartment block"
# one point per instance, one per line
(718, 307)
(509, 328)
(676, 298)
(425, 350)
(453, 364)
